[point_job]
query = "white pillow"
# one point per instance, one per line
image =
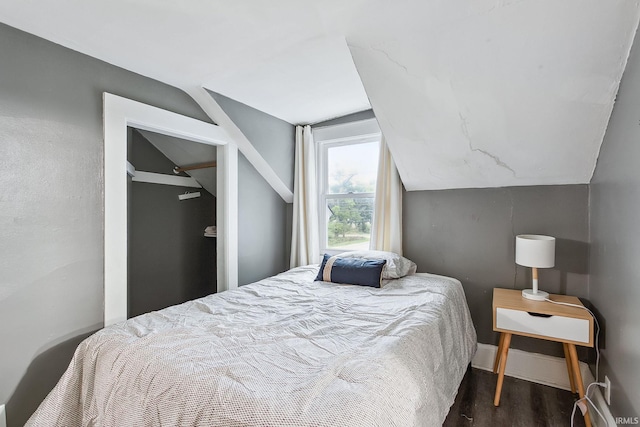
(397, 266)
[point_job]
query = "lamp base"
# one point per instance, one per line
(538, 296)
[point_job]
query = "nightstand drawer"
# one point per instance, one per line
(559, 327)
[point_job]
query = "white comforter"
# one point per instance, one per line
(285, 351)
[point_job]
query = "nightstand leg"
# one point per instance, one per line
(497, 361)
(577, 377)
(567, 358)
(503, 363)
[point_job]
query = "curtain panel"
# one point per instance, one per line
(305, 241)
(386, 232)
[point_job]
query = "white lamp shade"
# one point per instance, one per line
(535, 251)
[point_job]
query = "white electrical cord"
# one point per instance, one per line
(586, 397)
(597, 329)
(586, 394)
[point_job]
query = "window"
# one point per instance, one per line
(347, 173)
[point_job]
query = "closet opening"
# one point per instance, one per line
(121, 114)
(171, 215)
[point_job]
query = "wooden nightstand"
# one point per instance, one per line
(515, 315)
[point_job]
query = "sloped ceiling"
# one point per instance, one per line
(497, 93)
(187, 153)
(468, 93)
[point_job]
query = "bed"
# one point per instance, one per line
(284, 351)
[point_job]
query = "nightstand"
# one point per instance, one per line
(514, 315)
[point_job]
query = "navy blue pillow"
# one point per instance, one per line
(351, 271)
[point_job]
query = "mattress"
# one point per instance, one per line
(284, 351)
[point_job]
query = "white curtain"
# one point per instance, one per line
(305, 243)
(386, 232)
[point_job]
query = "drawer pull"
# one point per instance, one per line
(539, 314)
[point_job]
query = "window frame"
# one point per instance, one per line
(322, 167)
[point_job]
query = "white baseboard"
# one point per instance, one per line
(3, 417)
(546, 370)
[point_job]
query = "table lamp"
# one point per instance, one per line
(535, 251)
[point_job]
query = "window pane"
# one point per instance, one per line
(349, 223)
(352, 168)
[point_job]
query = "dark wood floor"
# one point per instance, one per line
(522, 404)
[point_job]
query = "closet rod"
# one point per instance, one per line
(192, 167)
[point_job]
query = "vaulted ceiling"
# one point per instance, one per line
(468, 93)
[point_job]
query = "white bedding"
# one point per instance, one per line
(285, 351)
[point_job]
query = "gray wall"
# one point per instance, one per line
(170, 261)
(615, 251)
(272, 137)
(51, 208)
(264, 220)
(470, 235)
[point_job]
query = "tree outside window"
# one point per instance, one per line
(347, 187)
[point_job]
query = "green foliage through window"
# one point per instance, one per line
(349, 220)
(350, 172)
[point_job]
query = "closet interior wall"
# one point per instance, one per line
(170, 260)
